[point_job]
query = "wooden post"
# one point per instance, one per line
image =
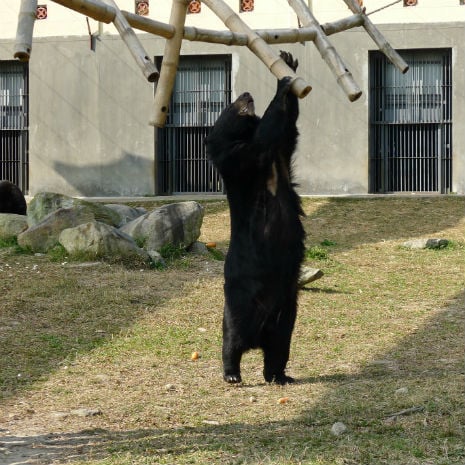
(258, 46)
(92, 8)
(169, 65)
(26, 18)
(327, 51)
(378, 38)
(135, 47)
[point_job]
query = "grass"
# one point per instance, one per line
(382, 332)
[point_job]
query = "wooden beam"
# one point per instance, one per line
(258, 46)
(26, 19)
(327, 51)
(169, 65)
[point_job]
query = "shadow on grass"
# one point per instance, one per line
(352, 222)
(405, 407)
(50, 318)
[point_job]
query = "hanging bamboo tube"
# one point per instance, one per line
(259, 47)
(169, 65)
(327, 51)
(135, 47)
(26, 18)
(378, 38)
(92, 8)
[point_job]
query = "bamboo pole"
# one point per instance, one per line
(378, 38)
(259, 47)
(270, 36)
(92, 8)
(135, 47)
(149, 25)
(169, 65)
(327, 51)
(286, 36)
(342, 24)
(26, 18)
(214, 37)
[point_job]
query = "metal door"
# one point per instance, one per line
(201, 91)
(14, 124)
(411, 123)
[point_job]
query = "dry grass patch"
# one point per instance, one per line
(379, 334)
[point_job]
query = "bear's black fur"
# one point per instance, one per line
(253, 156)
(11, 199)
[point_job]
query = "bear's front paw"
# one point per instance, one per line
(284, 85)
(232, 379)
(289, 60)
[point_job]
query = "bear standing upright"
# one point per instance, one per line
(253, 156)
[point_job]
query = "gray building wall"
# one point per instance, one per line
(89, 111)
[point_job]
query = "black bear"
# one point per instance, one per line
(11, 199)
(253, 156)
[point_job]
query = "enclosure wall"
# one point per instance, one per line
(90, 106)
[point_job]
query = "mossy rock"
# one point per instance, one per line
(45, 203)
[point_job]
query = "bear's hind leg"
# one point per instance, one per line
(232, 351)
(275, 362)
(276, 347)
(231, 365)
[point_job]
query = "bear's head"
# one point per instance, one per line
(237, 122)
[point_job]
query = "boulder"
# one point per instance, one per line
(198, 248)
(11, 225)
(308, 275)
(426, 243)
(126, 213)
(176, 224)
(100, 240)
(44, 235)
(45, 203)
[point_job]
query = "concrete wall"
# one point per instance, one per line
(89, 111)
(426, 11)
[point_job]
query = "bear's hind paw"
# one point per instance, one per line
(232, 379)
(280, 379)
